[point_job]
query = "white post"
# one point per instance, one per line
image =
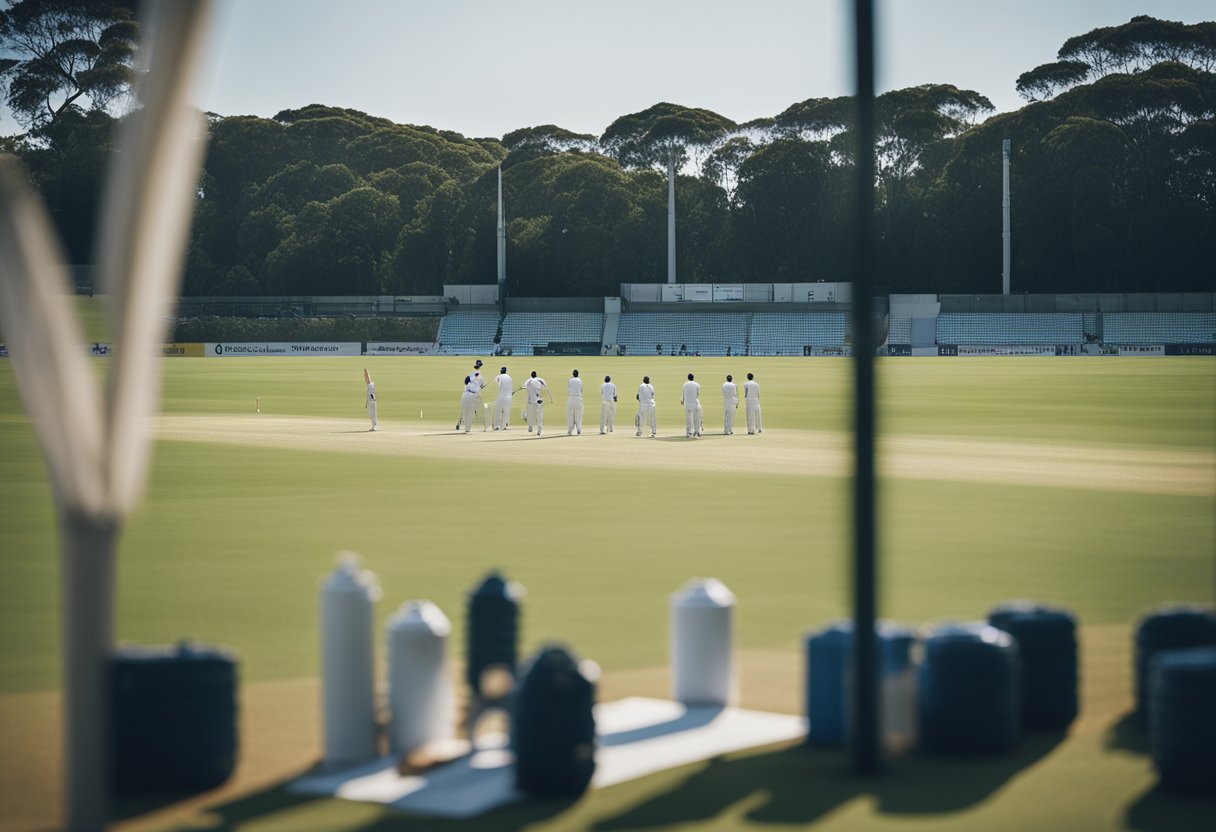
(671, 216)
(1005, 232)
(502, 238)
(86, 565)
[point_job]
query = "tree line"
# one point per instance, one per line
(1113, 181)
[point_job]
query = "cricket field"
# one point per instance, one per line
(1089, 483)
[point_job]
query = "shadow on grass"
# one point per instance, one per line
(799, 785)
(1128, 734)
(261, 807)
(1159, 810)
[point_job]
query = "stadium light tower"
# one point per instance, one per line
(1005, 232)
(671, 216)
(502, 239)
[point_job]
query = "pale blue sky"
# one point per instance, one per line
(485, 67)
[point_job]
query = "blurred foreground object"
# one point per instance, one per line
(97, 447)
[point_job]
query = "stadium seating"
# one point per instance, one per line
(468, 333)
(1135, 328)
(703, 332)
(521, 331)
(788, 333)
(975, 328)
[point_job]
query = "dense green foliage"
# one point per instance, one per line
(1113, 181)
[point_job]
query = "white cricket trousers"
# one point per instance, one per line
(574, 415)
(371, 412)
(502, 413)
(607, 416)
(728, 418)
(647, 416)
(468, 407)
(753, 415)
(536, 416)
(693, 418)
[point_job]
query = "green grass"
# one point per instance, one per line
(230, 542)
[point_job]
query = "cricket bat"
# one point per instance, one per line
(367, 378)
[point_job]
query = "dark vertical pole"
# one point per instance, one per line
(865, 658)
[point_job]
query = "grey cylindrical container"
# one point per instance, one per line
(421, 699)
(702, 664)
(348, 696)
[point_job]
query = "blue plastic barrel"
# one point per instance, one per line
(553, 724)
(1182, 718)
(174, 717)
(1169, 628)
(492, 628)
(1047, 642)
(970, 690)
(829, 655)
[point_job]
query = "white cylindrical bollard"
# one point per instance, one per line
(702, 668)
(420, 695)
(347, 664)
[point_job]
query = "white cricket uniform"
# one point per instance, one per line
(574, 406)
(536, 403)
(502, 403)
(730, 403)
(370, 401)
(607, 406)
(470, 403)
(646, 409)
(751, 402)
(481, 383)
(691, 395)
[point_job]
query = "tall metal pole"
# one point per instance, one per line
(865, 654)
(502, 239)
(1006, 235)
(671, 216)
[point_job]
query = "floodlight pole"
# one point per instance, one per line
(502, 238)
(1006, 234)
(671, 215)
(864, 746)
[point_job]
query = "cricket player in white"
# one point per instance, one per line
(502, 404)
(751, 404)
(690, 397)
(607, 404)
(730, 403)
(369, 401)
(470, 402)
(574, 405)
(646, 407)
(536, 403)
(481, 383)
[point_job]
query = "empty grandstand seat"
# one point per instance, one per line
(1142, 328)
(521, 331)
(468, 333)
(997, 328)
(707, 333)
(789, 333)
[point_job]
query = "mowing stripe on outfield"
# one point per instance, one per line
(797, 453)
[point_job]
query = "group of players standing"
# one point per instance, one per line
(537, 389)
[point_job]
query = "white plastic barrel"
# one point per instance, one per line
(421, 698)
(702, 668)
(348, 696)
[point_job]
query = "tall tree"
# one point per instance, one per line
(60, 55)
